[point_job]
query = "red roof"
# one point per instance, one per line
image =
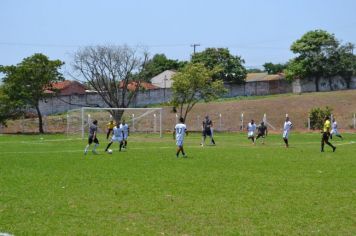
(133, 85)
(67, 87)
(63, 84)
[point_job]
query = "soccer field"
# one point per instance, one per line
(48, 187)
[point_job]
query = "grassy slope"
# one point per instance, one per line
(276, 106)
(47, 187)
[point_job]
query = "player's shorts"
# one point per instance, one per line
(179, 142)
(334, 131)
(207, 132)
(126, 136)
(91, 140)
(285, 134)
(250, 134)
(116, 139)
(260, 135)
(325, 137)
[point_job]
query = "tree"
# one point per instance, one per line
(193, 83)
(157, 65)
(320, 55)
(25, 84)
(232, 69)
(274, 68)
(109, 70)
(317, 116)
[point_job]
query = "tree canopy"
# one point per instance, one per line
(193, 83)
(157, 64)
(272, 68)
(25, 84)
(319, 54)
(232, 69)
(110, 71)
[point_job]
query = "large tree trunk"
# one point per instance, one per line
(117, 115)
(40, 122)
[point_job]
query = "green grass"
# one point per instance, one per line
(47, 187)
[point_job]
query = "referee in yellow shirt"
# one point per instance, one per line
(326, 134)
(110, 127)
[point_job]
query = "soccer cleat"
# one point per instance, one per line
(85, 152)
(334, 148)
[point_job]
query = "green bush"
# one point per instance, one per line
(317, 116)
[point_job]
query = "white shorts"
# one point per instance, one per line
(116, 139)
(125, 136)
(250, 134)
(334, 131)
(179, 142)
(285, 134)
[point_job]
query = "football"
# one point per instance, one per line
(109, 151)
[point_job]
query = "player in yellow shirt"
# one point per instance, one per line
(110, 127)
(326, 134)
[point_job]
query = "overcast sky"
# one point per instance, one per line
(257, 30)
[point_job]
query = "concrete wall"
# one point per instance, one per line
(325, 84)
(64, 103)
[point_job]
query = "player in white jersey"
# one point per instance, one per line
(180, 130)
(117, 136)
(286, 129)
(251, 128)
(126, 130)
(334, 130)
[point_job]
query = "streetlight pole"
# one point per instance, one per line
(194, 45)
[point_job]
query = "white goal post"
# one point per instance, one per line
(136, 116)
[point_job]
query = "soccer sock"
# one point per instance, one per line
(87, 147)
(339, 136)
(107, 147)
(212, 140)
(95, 145)
(121, 143)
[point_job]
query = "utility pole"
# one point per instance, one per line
(194, 46)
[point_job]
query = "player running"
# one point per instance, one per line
(334, 130)
(325, 135)
(117, 136)
(286, 129)
(125, 128)
(262, 132)
(92, 137)
(179, 132)
(207, 131)
(251, 128)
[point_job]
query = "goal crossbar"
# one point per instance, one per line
(149, 110)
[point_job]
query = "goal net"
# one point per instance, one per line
(139, 120)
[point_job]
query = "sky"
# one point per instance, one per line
(257, 30)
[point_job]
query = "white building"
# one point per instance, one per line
(164, 79)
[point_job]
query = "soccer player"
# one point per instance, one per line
(325, 135)
(334, 130)
(286, 129)
(109, 127)
(125, 128)
(178, 134)
(117, 136)
(251, 128)
(207, 130)
(92, 137)
(262, 131)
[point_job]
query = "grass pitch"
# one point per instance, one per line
(48, 187)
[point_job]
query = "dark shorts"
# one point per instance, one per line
(325, 137)
(207, 132)
(260, 135)
(91, 140)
